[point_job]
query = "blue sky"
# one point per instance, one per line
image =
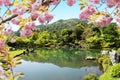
(63, 11)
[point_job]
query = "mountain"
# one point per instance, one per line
(60, 24)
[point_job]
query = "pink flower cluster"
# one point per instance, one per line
(28, 29)
(5, 2)
(71, 2)
(1, 71)
(45, 17)
(35, 7)
(34, 15)
(87, 12)
(20, 10)
(112, 3)
(30, 25)
(118, 19)
(15, 21)
(105, 21)
(13, 40)
(95, 1)
(8, 30)
(26, 33)
(55, 2)
(2, 44)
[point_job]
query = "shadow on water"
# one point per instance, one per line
(58, 64)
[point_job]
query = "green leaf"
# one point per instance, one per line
(17, 63)
(18, 58)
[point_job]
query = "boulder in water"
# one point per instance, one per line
(90, 58)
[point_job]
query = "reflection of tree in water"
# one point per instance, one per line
(63, 57)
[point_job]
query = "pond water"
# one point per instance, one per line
(58, 64)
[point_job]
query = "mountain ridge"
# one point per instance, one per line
(60, 24)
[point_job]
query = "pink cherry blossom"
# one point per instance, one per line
(118, 5)
(104, 21)
(87, 12)
(96, 23)
(95, 1)
(6, 2)
(83, 16)
(35, 7)
(71, 2)
(41, 19)
(8, 30)
(15, 21)
(15, 10)
(1, 71)
(13, 41)
(20, 10)
(30, 25)
(118, 19)
(34, 15)
(55, 2)
(112, 3)
(1, 2)
(2, 44)
(48, 16)
(26, 33)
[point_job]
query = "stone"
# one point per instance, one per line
(105, 51)
(114, 57)
(90, 58)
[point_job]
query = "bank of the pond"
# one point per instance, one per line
(106, 75)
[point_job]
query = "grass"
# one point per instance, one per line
(107, 76)
(16, 52)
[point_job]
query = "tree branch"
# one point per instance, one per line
(56, 5)
(44, 3)
(8, 19)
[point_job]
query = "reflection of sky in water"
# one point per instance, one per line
(49, 71)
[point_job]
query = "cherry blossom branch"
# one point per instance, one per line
(56, 5)
(47, 2)
(113, 11)
(8, 19)
(8, 8)
(44, 2)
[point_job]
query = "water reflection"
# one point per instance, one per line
(52, 64)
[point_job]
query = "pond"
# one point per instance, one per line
(58, 64)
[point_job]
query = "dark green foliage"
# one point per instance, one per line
(90, 77)
(115, 70)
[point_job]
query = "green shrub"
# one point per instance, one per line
(118, 50)
(115, 70)
(90, 77)
(104, 61)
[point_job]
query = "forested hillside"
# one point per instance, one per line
(60, 24)
(72, 33)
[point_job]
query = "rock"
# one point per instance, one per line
(114, 57)
(105, 51)
(90, 58)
